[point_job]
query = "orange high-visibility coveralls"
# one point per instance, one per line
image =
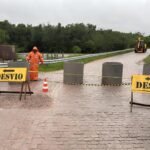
(34, 58)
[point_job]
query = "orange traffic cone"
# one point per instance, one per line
(45, 86)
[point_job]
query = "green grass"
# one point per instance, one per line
(59, 66)
(87, 60)
(51, 67)
(74, 55)
(147, 60)
(21, 57)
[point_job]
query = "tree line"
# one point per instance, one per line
(72, 38)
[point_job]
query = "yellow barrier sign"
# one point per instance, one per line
(141, 83)
(13, 74)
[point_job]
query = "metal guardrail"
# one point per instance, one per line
(72, 58)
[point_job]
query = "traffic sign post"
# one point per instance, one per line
(18, 75)
(140, 84)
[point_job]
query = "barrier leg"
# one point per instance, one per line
(29, 87)
(25, 90)
(131, 103)
(22, 85)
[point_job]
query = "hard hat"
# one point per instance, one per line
(35, 48)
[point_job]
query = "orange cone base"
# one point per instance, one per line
(45, 90)
(45, 86)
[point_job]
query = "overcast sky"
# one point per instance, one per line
(120, 15)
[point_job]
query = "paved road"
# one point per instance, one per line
(77, 117)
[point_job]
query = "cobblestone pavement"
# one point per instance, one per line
(76, 117)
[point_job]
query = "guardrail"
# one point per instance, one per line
(73, 58)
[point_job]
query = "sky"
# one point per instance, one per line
(119, 15)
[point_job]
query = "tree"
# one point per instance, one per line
(76, 49)
(4, 37)
(69, 38)
(89, 47)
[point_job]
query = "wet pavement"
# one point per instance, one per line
(77, 117)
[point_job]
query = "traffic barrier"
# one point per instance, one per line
(92, 84)
(7, 52)
(112, 73)
(140, 84)
(19, 65)
(73, 72)
(78, 57)
(17, 75)
(146, 69)
(45, 86)
(127, 81)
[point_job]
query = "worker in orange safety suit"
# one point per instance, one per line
(34, 58)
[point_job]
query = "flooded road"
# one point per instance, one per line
(77, 117)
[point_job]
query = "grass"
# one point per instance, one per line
(59, 66)
(147, 60)
(21, 57)
(51, 67)
(87, 60)
(74, 55)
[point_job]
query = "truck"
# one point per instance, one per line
(140, 46)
